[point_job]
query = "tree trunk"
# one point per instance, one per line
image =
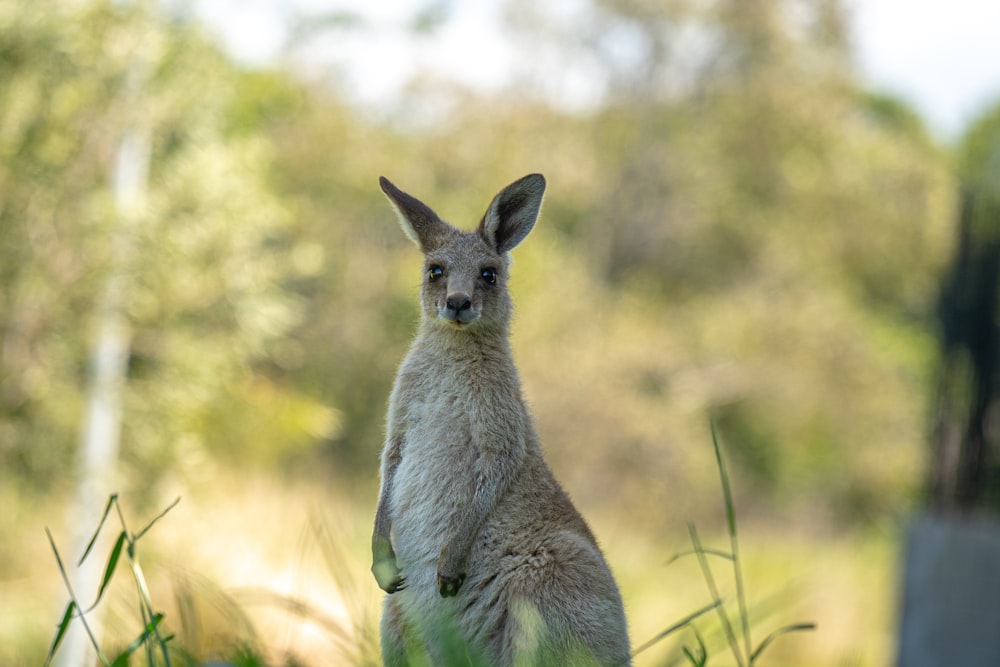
(99, 440)
(965, 467)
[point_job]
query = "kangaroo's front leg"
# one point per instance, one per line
(384, 567)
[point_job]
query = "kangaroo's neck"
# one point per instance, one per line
(459, 346)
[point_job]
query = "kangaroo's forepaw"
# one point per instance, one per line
(388, 575)
(448, 586)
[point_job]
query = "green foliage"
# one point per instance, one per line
(739, 640)
(207, 263)
(154, 642)
(56, 113)
(151, 640)
(740, 231)
(979, 154)
(761, 246)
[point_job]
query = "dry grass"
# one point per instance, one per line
(844, 585)
(284, 569)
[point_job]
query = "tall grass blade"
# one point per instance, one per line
(67, 617)
(684, 622)
(706, 571)
(727, 493)
(726, 490)
(59, 563)
(701, 659)
(142, 639)
(157, 518)
(150, 618)
(74, 603)
(112, 500)
(109, 569)
(146, 644)
(297, 607)
(363, 644)
(709, 552)
(797, 627)
(145, 600)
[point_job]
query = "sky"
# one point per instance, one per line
(941, 57)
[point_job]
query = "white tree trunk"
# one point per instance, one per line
(101, 430)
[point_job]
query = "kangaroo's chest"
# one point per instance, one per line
(435, 480)
(435, 408)
(439, 443)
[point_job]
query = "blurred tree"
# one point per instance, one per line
(965, 467)
(208, 263)
(326, 166)
(56, 139)
(771, 215)
(756, 235)
(733, 227)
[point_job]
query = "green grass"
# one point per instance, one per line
(231, 637)
(721, 625)
(151, 640)
(738, 636)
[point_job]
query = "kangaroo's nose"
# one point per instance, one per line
(458, 302)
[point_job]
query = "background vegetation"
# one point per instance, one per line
(738, 231)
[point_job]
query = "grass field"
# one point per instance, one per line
(283, 571)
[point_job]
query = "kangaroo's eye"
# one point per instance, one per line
(489, 275)
(434, 272)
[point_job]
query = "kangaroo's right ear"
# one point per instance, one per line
(417, 219)
(513, 212)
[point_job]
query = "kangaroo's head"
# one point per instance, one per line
(465, 273)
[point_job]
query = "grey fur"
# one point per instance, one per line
(475, 542)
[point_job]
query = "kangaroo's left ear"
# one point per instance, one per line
(418, 221)
(513, 213)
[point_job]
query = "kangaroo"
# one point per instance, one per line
(478, 547)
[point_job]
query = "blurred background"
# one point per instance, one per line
(751, 210)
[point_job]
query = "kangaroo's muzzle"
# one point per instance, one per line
(458, 309)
